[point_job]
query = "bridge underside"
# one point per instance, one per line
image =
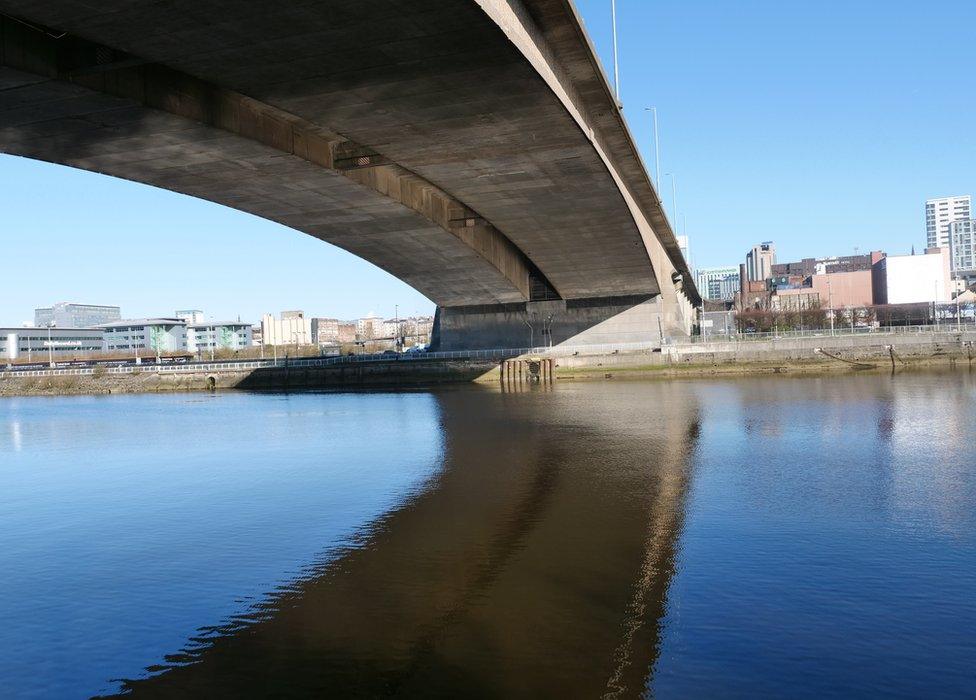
(418, 135)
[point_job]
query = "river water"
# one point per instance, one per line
(760, 537)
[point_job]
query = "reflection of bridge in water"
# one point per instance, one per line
(535, 564)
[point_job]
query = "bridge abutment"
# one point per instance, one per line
(595, 321)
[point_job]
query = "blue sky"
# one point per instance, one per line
(820, 126)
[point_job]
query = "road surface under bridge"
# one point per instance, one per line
(471, 148)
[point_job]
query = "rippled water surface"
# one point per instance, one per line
(764, 537)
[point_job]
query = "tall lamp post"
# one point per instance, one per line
(674, 202)
(50, 347)
(616, 71)
(830, 304)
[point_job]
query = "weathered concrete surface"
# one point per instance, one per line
(468, 147)
(281, 378)
(635, 319)
(843, 353)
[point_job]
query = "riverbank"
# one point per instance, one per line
(814, 355)
(808, 355)
(281, 378)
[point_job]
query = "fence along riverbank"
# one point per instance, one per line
(900, 348)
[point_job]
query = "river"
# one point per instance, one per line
(766, 536)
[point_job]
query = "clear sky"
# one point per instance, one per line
(820, 126)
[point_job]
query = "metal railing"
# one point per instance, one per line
(839, 331)
(492, 354)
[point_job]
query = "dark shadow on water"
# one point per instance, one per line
(536, 564)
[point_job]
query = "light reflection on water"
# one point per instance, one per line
(769, 536)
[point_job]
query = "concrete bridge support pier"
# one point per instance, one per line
(594, 321)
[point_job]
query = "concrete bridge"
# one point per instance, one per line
(472, 148)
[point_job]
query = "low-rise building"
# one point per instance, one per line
(224, 335)
(347, 332)
(795, 299)
(912, 279)
(393, 327)
(155, 335)
(842, 290)
(369, 327)
(325, 331)
(37, 344)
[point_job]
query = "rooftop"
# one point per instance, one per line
(143, 322)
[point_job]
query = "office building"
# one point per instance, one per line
(68, 315)
(39, 344)
(719, 283)
(191, 315)
(912, 279)
(224, 335)
(940, 213)
(146, 335)
(291, 329)
(760, 261)
(962, 244)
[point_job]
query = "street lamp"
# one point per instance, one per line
(50, 347)
(830, 305)
(674, 201)
(616, 72)
(657, 152)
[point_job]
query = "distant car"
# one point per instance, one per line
(388, 352)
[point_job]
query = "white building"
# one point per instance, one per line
(717, 282)
(760, 261)
(291, 329)
(225, 335)
(191, 315)
(69, 315)
(369, 327)
(41, 344)
(939, 213)
(144, 334)
(912, 279)
(962, 242)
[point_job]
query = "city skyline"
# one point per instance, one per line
(839, 165)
